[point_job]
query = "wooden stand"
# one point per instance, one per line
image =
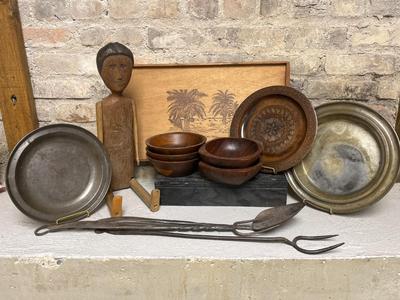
(152, 200)
(114, 204)
(17, 105)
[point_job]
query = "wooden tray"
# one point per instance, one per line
(197, 98)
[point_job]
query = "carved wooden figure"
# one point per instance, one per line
(116, 114)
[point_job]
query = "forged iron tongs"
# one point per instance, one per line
(245, 231)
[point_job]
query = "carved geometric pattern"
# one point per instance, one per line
(273, 126)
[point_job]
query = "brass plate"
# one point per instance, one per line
(354, 161)
(283, 120)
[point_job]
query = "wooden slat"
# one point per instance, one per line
(19, 116)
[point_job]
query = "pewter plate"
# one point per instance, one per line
(56, 171)
(354, 161)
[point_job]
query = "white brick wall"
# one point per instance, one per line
(339, 49)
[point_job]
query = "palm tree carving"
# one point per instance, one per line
(224, 104)
(184, 106)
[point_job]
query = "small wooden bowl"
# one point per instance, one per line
(229, 176)
(231, 152)
(172, 157)
(175, 142)
(175, 168)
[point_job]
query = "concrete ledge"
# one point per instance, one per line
(89, 266)
(49, 278)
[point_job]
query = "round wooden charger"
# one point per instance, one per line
(283, 120)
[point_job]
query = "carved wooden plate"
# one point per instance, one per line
(354, 161)
(283, 120)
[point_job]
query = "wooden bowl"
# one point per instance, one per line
(231, 152)
(229, 176)
(175, 168)
(175, 142)
(172, 157)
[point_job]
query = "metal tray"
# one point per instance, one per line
(57, 171)
(283, 120)
(354, 161)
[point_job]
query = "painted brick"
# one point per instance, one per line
(317, 38)
(349, 8)
(270, 8)
(124, 9)
(42, 36)
(171, 39)
(386, 8)
(225, 37)
(203, 9)
(87, 9)
(51, 9)
(305, 8)
(238, 9)
(389, 87)
(93, 36)
(76, 113)
(270, 38)
(359, 64)
(46, 109)
(159, 9)
(130, 36)
(74, 88)
(305, 65)
(62, 63)
(337, 88)
(370, 36)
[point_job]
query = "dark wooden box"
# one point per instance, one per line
(194, 190)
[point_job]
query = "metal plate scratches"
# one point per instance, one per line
(354, 161)
(57, 171)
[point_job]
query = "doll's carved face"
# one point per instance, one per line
(116, 72)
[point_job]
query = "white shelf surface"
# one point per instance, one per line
(371, 233)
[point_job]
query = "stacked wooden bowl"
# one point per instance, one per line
(175, 154)
(230, 160)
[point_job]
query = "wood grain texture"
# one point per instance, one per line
(114, 204)
(158, 91)
(17, 104)
(152, 201)
(116, 118)
(99, 121)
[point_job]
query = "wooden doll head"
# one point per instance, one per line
(115, 63)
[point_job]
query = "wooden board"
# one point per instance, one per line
(17, 105)
(198, 98)
(194, 190)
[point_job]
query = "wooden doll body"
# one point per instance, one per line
(117, 134)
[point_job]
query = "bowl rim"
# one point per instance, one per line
(204, 152)
(235, 170)
(171, 156)
(202, 137)
(174, 162)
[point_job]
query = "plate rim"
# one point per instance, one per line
(92, 204)
(378, 191)
(301, 100)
